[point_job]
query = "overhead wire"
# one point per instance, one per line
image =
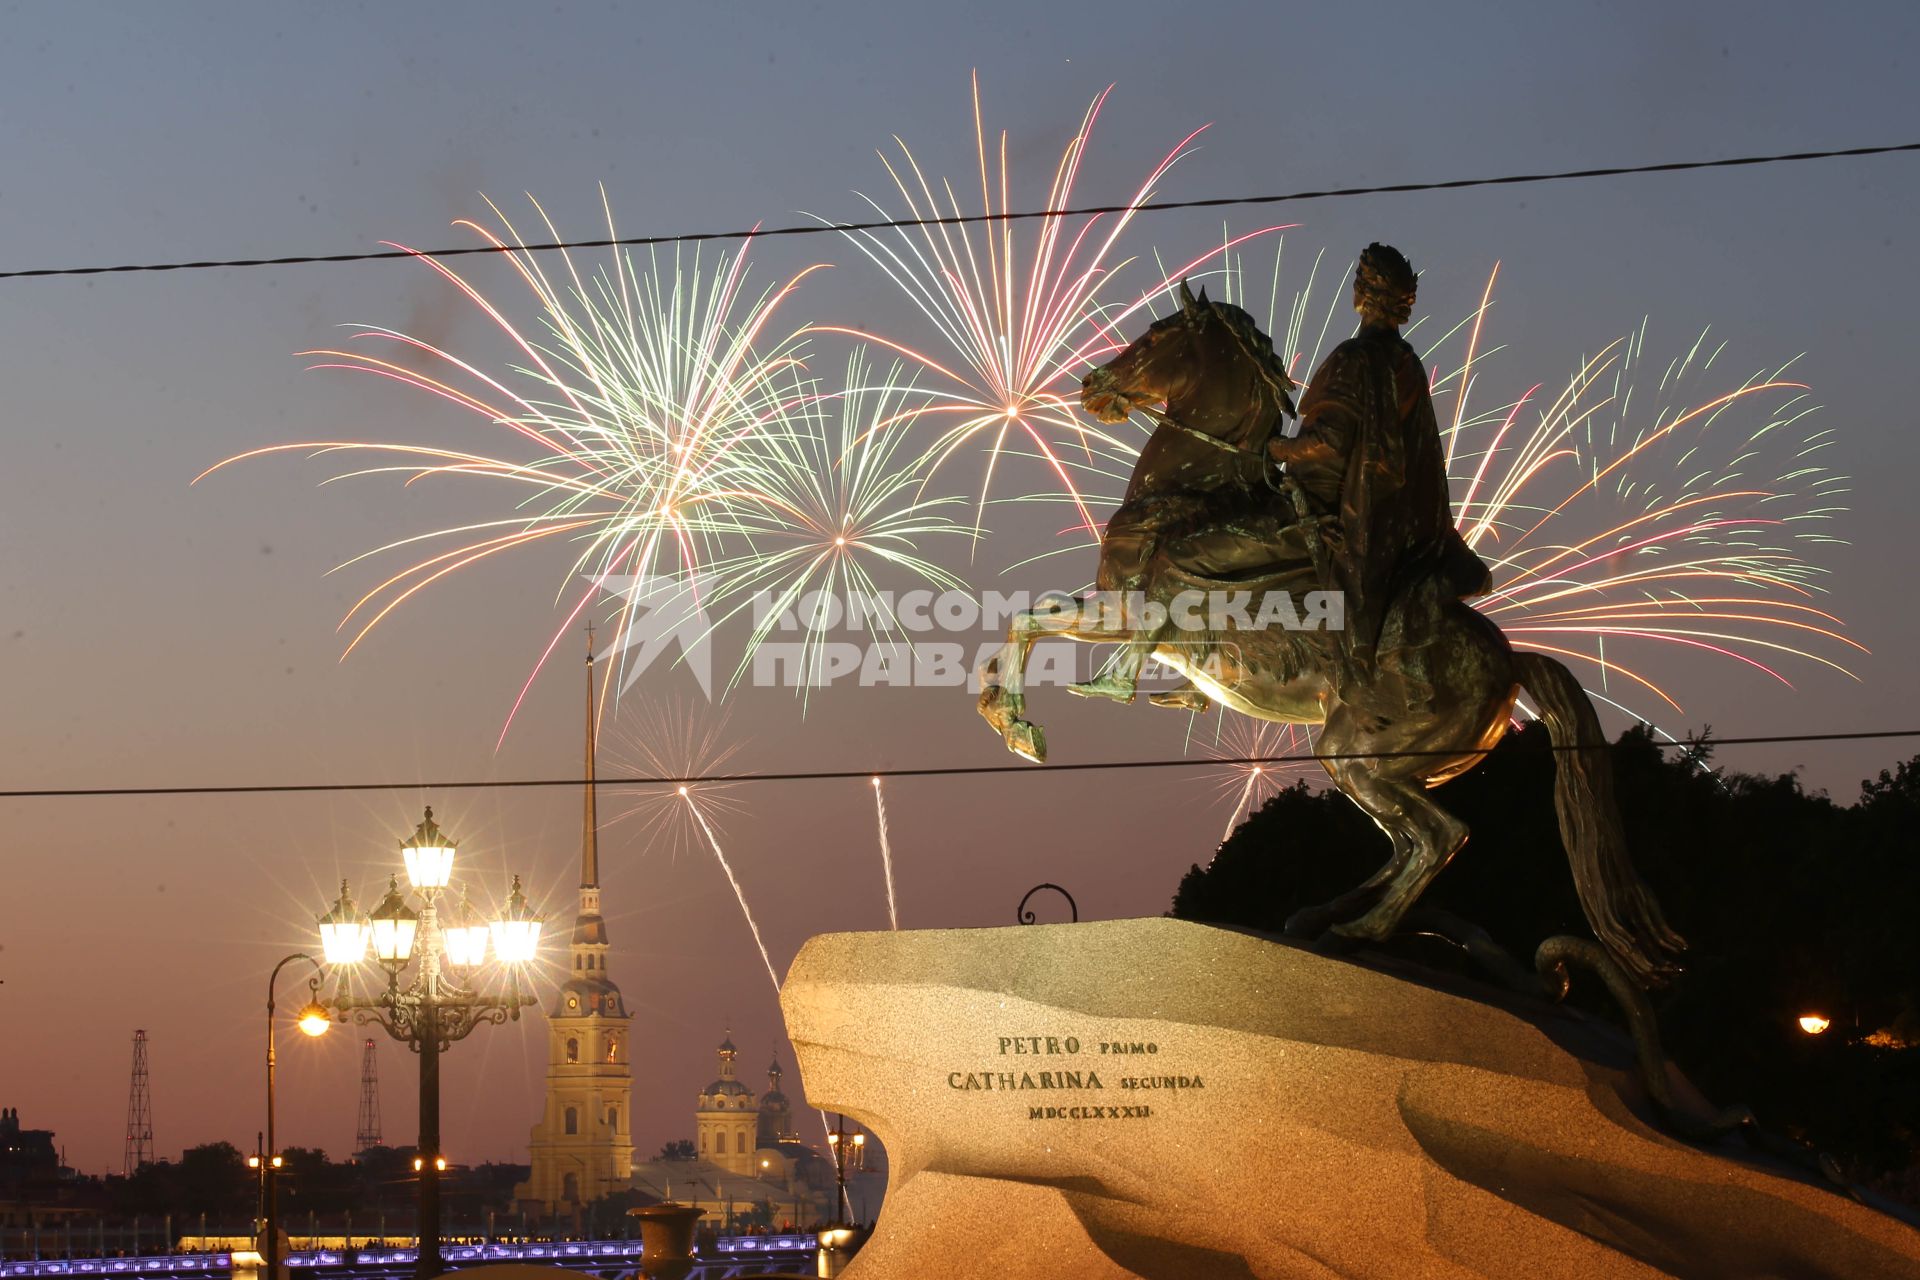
(932, 771)
(957, 220)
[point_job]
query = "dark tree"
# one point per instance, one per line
(678, 1149)
(214, 1180)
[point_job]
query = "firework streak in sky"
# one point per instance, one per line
(1018, 324)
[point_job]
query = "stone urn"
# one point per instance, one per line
(666, 1239)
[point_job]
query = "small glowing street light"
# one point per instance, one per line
(1814, 1023)
(314, 1019)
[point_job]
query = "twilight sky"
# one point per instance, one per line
(153, 633)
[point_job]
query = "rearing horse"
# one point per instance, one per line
(1383, 764)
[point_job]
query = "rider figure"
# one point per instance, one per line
(1369, 456)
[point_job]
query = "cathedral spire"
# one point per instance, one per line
(589, 930)
(590, 825)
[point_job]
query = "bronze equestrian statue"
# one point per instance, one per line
(1413, 686)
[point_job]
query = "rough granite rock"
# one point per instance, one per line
(1158, 1099)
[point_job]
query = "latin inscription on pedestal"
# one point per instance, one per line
(1135, 1099)
(1062, 1077)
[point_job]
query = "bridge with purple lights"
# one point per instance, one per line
(731, 1256)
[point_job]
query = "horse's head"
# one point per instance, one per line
(1158, 366)
(1205, 347)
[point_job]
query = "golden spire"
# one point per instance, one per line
(590, 824)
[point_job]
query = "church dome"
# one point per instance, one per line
(717, 1094)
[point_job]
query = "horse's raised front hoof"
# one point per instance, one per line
(1000, 708)
(1027, 740)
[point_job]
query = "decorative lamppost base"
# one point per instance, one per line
(837, 1247)
(666, 1239)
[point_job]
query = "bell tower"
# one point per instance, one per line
(582, 1147)
(726, 1119)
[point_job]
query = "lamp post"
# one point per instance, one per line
(849, 1152)
(260, 1162)
(314, 1021)
(437, 1006)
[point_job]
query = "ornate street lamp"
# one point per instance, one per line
(442, 1002)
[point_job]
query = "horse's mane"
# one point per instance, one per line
(1254, 342)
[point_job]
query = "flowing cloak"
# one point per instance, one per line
(1382, 476)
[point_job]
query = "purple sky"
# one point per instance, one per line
(153, 633)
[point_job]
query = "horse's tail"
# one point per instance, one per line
(1618, 903)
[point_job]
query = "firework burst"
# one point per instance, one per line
(1234, 740)
(1649, 504)
(1020, 317)
(677, 738)
(836, 498)
(659, 423)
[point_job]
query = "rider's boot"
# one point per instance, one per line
(1186, 698)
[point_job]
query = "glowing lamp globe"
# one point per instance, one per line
(344, 932)
(393, 927)
(314, 1019)
(466, 938)
(516, 934)
(1814, 1023)
(429, 856)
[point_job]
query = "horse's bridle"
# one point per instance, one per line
(1278, 385)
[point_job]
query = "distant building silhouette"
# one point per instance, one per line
(35, 1185)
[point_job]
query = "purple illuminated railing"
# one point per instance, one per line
(561, 1252)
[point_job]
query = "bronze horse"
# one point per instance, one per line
(1200, 363)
